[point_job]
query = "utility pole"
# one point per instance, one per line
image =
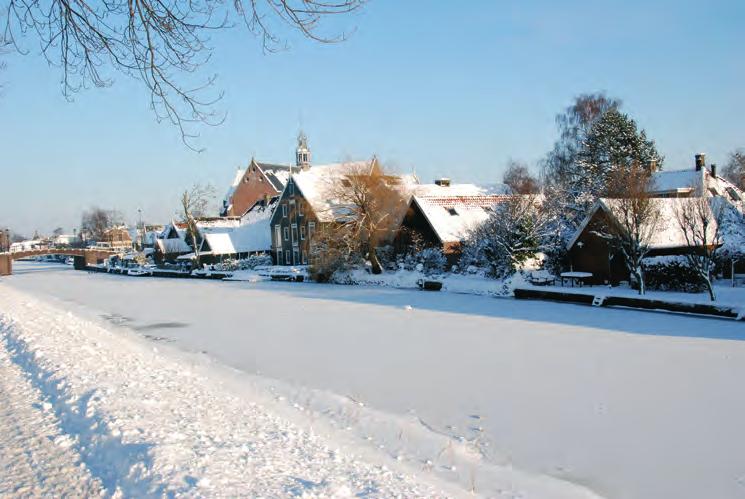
(142, 231)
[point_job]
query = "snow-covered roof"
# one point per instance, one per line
(452, 211)
(172, 246)
(666, 234)
(248, 235)
(676, 181)
(318, 182)
(694, 183)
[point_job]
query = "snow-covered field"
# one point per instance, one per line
(445, 390)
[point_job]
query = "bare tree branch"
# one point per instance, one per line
(163, 43)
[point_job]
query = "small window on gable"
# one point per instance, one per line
(452, 211)
(284, 210)
(292, 188)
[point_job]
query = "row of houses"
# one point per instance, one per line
(276, 209)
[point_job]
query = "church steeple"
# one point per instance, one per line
(302, 153)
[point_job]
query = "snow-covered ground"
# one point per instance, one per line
(469, 389)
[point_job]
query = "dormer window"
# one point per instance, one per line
(452, 211)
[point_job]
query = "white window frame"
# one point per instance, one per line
(302, 232)
(287, 257)
(294, 234)
(311, 229)
(284, 210)
(278, 235)
(287, 233)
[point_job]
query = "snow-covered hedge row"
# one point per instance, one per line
(249, 263)
(671, 273)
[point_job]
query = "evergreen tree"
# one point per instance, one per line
(613, 147)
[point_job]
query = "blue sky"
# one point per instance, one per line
(441, 88)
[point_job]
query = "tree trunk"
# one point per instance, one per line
(373, 256)
(710, 288)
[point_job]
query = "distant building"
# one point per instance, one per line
(116, 238)
(171, 243)
(696, 182)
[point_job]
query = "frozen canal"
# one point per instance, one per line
(630, 404)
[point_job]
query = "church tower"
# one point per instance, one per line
(302, 153)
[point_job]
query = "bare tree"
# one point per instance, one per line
(194, 204)
(368, 205)
(734, 170)
(163, 43)
(700, 221)
(518, 177)
(95, 222)
(635, 218)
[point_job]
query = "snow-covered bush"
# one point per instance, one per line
(249, 263)
(514, 233)
(432, 260)
(671, 273)
(334, 249)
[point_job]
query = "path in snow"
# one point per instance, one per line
(35, 456)
(144, 425)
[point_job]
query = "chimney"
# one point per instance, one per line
(652, 165)
(442, 182)
(713, 170)
(700, 161)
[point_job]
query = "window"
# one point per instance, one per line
(452, 211)
(295, 257)
(287, 233)
(287, 257)
(302, 232)
(279, 255)
(284, 210)
(300, 207)
(278, 236)
(311, 228)
(294, 233)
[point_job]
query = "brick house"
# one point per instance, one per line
(261, 182)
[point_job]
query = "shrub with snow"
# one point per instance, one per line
(249, 263)
(671, 273)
